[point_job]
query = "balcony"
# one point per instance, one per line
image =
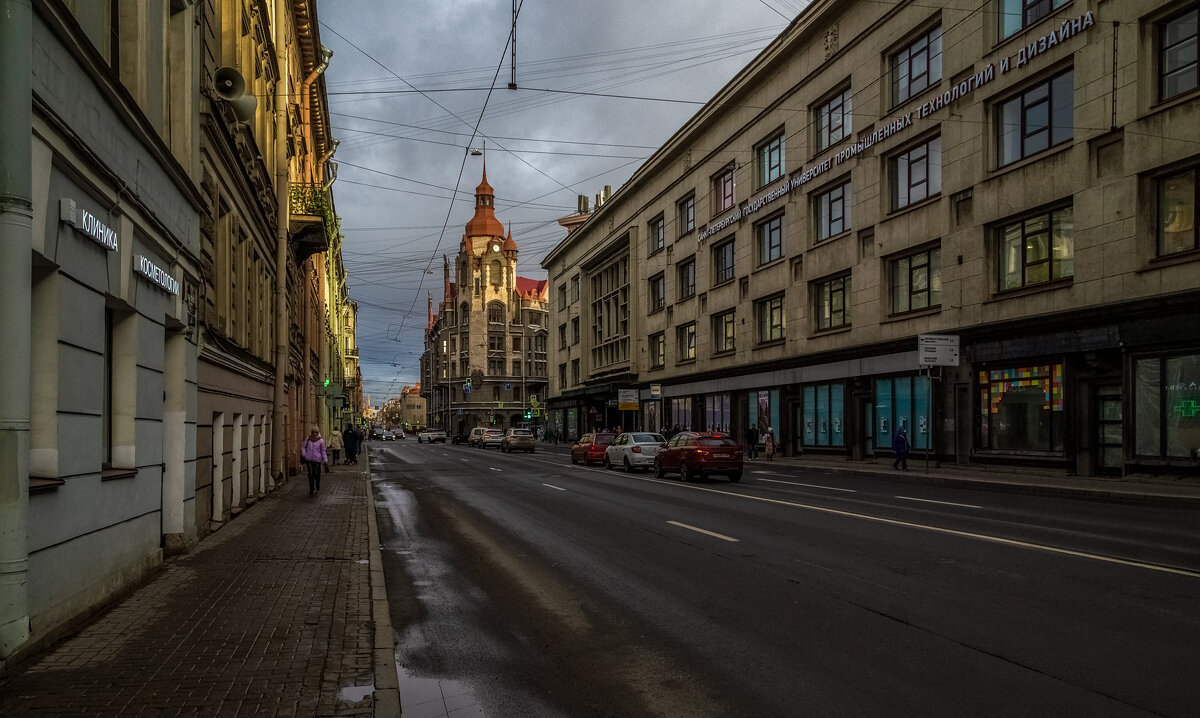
(310, 219)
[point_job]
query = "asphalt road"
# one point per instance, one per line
(521, 585)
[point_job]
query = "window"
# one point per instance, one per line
(562, 336)
(686, 271)
(822, 415)
(769, 317)
(516, 367)
(1037, 119)
(657, 232)
(1018, 14)
(574, 330)
(1021, 408)
(562, 296)
(495, 313)
(916, 173)
(609, 313)
(687, 214)
(658, 292)
(495, 367)
(718, 413)
(495, 343)
(917, 281)
(832, 209)
(562, 376)
(1177, 55)
(1167, 411)
(574, 371)
(722, 259)
(516, 344)
(1037, 250)
(768, 239)
(833, 120)
(464, 314)
(686, 339)
(723, 191)
(1177, 213)
(832, 303)
(658, 350)
(918, 66)
(902, 401)
(575, 289)
(768, 160)
(723, 328)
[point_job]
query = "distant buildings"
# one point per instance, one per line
(484, 362)
(1019, 177)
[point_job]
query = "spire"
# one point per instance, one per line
(509, 244)
(484, 223)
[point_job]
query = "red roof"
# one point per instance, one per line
(532, 288)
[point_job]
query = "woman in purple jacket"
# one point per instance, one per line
(314, 457)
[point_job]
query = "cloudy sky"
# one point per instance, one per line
(410, 82)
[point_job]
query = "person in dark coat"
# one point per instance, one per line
(752, 442)
(352, 441)
(900, 449)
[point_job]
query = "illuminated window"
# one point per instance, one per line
(1177, 213)
(686, 340)
(1037, 250)
(1021, 408)
(723, 330)
(770, 319)
(831, 299)
(658, 350)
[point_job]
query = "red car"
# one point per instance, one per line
(697, 455)
(591, 447)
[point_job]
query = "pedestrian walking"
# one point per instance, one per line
(314, 457)
(336, 443)
(752, 442)
(769, 444)
(900, 449)
(352, 441)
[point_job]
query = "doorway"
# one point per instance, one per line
(1110, 430)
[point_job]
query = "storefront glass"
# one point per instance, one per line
(681, 412)
(652, 415)
(1167, 413)
(903, 401)
(1021, 409)
(822, 418)
(573, 423)
(716, 412)
(764, 411)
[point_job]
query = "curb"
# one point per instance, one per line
(387, 679)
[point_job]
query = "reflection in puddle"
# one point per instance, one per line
(354, 694)
(433, 698)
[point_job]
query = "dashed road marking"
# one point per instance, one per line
(811, 486)
(556, 488)
(943, 503)
(723, 537)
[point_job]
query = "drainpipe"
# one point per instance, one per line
(283, 210)
(16, 288)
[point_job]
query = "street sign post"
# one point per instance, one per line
(934, 350)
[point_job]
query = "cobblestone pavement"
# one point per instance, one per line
(270, 616)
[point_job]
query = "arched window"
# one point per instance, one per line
(495, 313)
(496, 272)
(464, 311)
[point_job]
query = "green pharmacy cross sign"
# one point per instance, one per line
(1188, 407)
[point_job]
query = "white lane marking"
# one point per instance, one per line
(723, 537)
(811, 486)
(493, 468)
(943, 503)
(767, 473)
(556, 488)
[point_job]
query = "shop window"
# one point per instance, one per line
(722, 262)
(768, 239)
(831, 300)
(1177, 45)
(768, 160)
(657, 232)
(658, 350)
(902, 402)
(918, 66)
(764, 412)
(716, 412)
(1016, 15)
(1021, 409)
(686, 214)
(722, 191)
(916, 173)
(1177, 213)
(832, 209)
(1040, 117)
(822, 419)
(686, 342)
(1167, 412)
(1037, 250)
(769, 317)
(917, 281)
(681, 412)
(723, 330)
(832, 119)
(686, 274)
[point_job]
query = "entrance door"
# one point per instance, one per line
(1110, 449)
(867, 417)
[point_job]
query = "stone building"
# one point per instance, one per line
(1017, 178)
(484, 362)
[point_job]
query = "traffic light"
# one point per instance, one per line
(326, 382)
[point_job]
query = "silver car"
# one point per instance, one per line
(491, 437)
(633, 450)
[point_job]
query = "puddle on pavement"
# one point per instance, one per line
(354, 694)
(434, 698)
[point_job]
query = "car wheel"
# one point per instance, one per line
(607, 463)
(684, 473)
(659, 471)
(574, 460)
(735, 476)
(628, 468)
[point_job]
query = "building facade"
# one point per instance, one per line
(484, 362)
(1014, 179)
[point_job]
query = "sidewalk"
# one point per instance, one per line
(282, 612)
(1145, 489)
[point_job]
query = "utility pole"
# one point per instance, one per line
(16, 286)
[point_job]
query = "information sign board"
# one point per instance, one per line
(937, 349)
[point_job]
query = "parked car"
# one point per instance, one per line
(698, 455)
(633, 450)
(491, 437)
(519, 440)
(431, 435)
(475, 436)
(591, 447)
